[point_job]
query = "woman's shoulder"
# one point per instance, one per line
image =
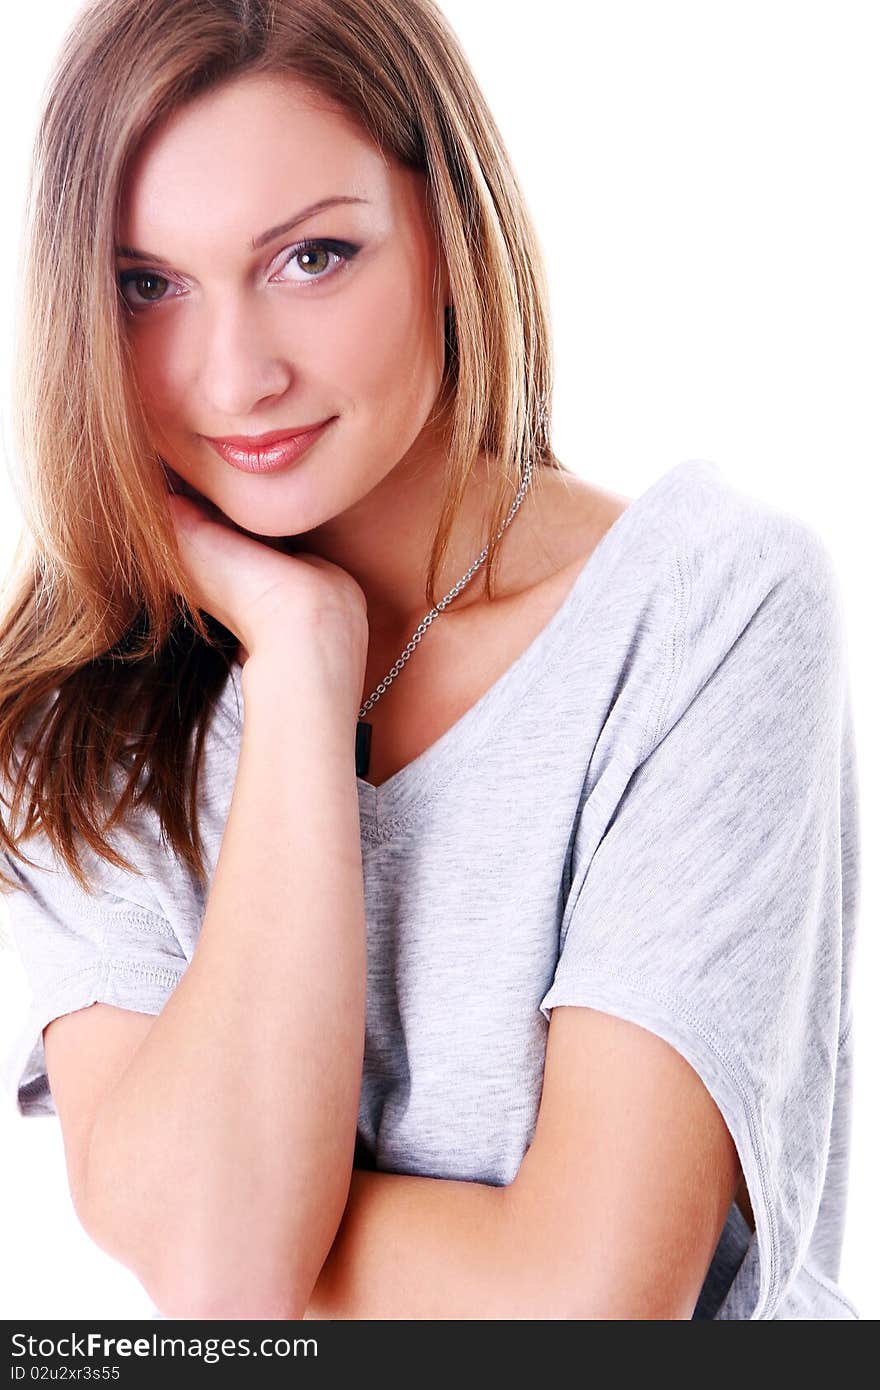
(694, 511)
(724, 527)
(696, 548)
(758, 624)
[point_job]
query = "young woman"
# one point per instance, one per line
(435, 873)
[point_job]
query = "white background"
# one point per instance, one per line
(703, 177)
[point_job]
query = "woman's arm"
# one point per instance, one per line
(218, 1165)
(615, 1212)
(413, 1247)
(231, 1133)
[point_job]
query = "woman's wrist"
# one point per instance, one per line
(324, 669)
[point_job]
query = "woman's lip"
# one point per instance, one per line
(262, 441)
(268, 458)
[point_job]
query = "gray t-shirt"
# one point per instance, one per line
(652, 812)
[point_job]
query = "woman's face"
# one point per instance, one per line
(232, 340)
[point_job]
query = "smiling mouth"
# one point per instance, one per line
(248, 443)
(268, 458)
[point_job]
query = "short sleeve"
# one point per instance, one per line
(76, 949)
(711, 904)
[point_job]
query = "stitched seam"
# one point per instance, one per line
(390, 827)
(106, 912)
(160, 973)
(663, 697)
(138, 969)
(429, 793)
(828, 1287)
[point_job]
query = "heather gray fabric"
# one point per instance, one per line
(653, 812)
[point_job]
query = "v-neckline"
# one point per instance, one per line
(384, 808)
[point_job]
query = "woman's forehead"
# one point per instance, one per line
(243, 131)
(244, 158)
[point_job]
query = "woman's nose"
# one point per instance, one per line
(241, 362)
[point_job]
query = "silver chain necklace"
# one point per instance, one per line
(364, 729)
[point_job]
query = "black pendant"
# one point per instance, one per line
(363, 734)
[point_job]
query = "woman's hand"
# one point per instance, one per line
(266, 597)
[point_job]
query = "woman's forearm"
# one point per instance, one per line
(417, 1247)
(234, 1126)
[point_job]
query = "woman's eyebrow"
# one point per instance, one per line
(131, 253)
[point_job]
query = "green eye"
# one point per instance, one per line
(319, 251)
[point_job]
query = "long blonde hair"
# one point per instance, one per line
(106, 662)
